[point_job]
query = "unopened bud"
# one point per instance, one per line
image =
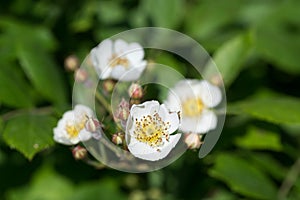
(71, 63)
(135, 101)
(123, 110)
(92, 125)
(118, 138)
(108, 85)
(81, 75)
(192, 140)
(135, 91)
(79, 152)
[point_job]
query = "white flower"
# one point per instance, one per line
(194, 100)
(118, 60)
(148, 131)
(70, 129)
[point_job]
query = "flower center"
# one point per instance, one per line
(151, 130)
(115, 60)
(74, 129)
(192, 107)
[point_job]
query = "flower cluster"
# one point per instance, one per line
(148, 130)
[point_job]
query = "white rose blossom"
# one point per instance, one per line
(71, 129)
(149, 129)
(194, 99)
(118, 60)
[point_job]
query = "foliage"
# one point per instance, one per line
(254, 43)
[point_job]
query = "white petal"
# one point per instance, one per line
(84, 135)
(169, 117)
(135, 53)
(106, 73)
(206, 122)
(211, 95)
(117, 72)
(120, 47)
(146, 108)
(101, 54)
(132, 74)
(145, 152)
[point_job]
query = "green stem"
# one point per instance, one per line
(289, 180)
(104, 102)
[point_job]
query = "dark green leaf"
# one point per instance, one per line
(230, 58)
(29, 133)
(44, 74)
(14, 90)
(260, 139)
(280, 110)
(46, 184)
(104, 189)
(243, 177)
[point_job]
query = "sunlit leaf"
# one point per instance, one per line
(280, 110)
(260, 139)
(243, 177)
(167, 13)
(230, 58)
(29, 133)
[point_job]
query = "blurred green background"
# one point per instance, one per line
(256, 45)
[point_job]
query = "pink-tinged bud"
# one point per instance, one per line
(108, 85)
(81, 75)
(71, 63)
(79, 152)
(92, 125)
(118, 138)
(192, 140)
(122, 112)
(135, 91)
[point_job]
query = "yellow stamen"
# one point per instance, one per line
(115, 60)
(192, 107)
(151, 130)
(74, 129)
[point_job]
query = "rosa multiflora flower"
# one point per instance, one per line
(194, 99)
(118, 60)
(149, 129)
(71, 128)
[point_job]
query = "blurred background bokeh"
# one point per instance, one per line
(256, 45)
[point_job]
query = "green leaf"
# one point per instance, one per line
(279, 110)
(230, 58)
(167, 13)
(243, 177)
(14, 90)
(31, 47)
(44, 74)
(260, 139)
(269, 164)
(278, 39)
(29, 133)
(46, 184)
(208, 18)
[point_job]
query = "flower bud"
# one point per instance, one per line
(108, 85)
(92, 124)
(79, 152)
(192, 140)
(71, 63)
(81, 75)
(122, 111)
(135, 91)
(118, 138)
